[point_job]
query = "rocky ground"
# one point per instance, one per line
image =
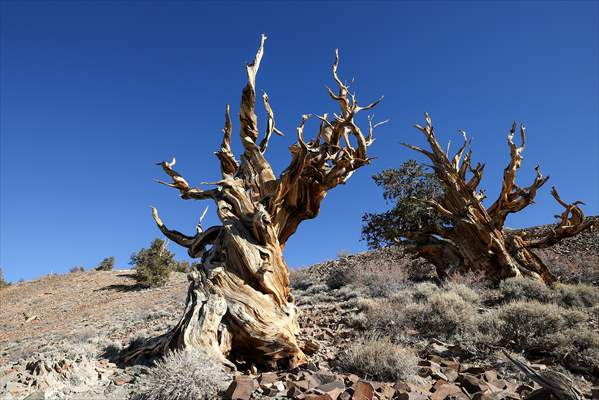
(60, 337)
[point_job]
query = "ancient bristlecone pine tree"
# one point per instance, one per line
(239, 305)
(474, 239)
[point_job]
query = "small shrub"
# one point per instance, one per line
(519, 289)
(380, 360)
(106, 264)
(76, 269)
(356, 320)
(443, 315)
(390, 317)
(381, 285)
(523, 325)
(316, 288)
(479, 332)
(349, 292)
(467, 294)
(423, 291)
(576, 348)
(184, 376)
(578, 295)
(153, 265)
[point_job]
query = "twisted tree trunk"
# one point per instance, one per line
(239, 305)
(475, 239)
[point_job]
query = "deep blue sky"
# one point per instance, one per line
(94, 93)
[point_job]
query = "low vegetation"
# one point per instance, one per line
(153, 265)
(185, 376)
(379, 359)
(556, 322)
(106, 264)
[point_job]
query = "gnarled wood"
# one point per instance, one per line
(475, 238)
(239, 305)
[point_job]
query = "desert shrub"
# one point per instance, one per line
(391, 317)
(479, 332)
(422, 291)
(339, 278)
(153, 265)
(316, 288)
(443, 315)
(76, 269)
(433, 311)
(517, 289)
(182, 266)
(524, 325)
(467, 294)
(355, 320)
(381, 285)
(184, 376)
(106, 264)
(349, 292)
(379, 359)
(576, 348)
(577, 295)
(299, 279)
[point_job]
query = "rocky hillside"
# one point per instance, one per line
(371, 333)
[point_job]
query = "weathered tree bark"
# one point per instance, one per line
(239, 306)
(475, 238)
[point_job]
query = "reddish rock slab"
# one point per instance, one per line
(241, 388)
(449, 390)
(363, 391)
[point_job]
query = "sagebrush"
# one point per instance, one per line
(184, 376)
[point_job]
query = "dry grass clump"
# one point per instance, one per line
(380, 360)
(184, 376)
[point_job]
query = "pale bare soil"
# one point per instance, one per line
(73, 306)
